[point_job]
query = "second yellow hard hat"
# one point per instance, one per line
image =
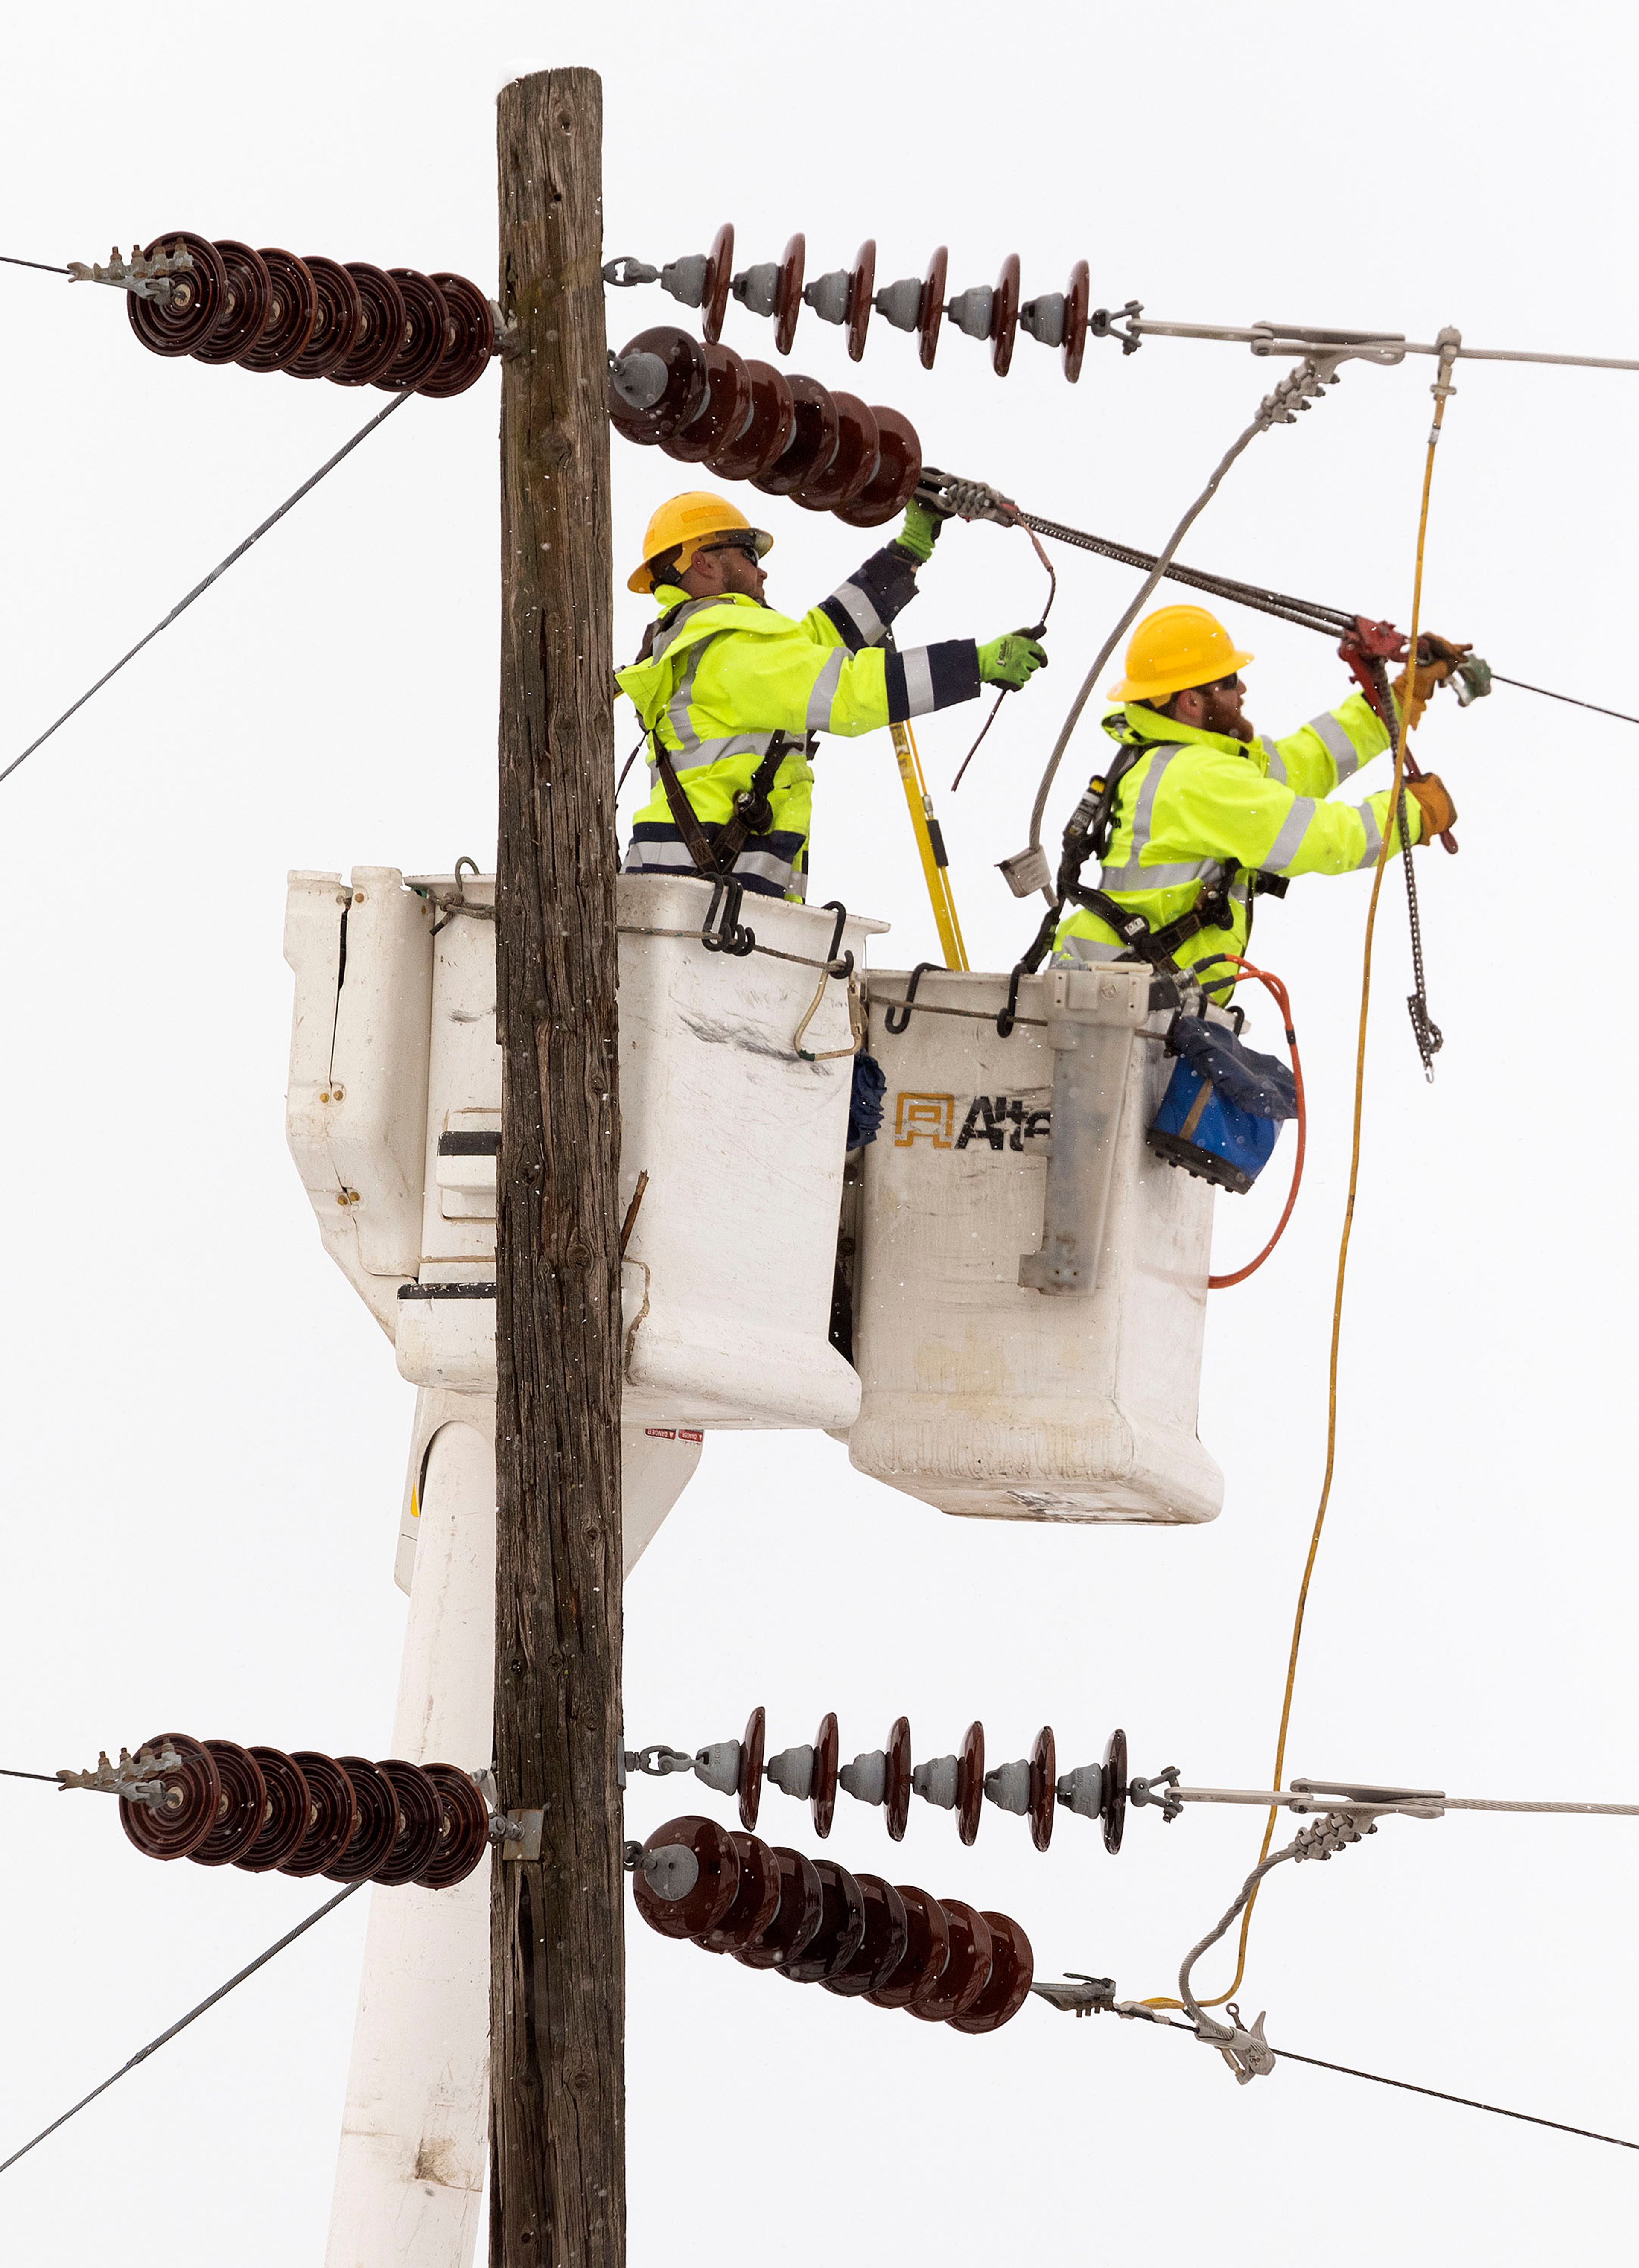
(1174, 648)
(687, 520)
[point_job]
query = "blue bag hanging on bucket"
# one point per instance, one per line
(1220, 1117)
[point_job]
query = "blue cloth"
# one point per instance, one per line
(1261, 1085)
(865, 1103)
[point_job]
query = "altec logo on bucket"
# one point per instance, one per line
(1001, 1121)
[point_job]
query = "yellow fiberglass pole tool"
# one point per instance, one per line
(930, 845)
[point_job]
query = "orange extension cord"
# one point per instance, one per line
(1274, 985)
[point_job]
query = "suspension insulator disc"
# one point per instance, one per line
(468, 339)
(927, 1950)
(722, 416)
(241, 1809)
(285, 1821)
(931, 315)
(377, 1831)
(420, 1819)
(380, 333)
(1043, 1778)
(883, 1947)
(424, 337)
(854, 466)
(1004, 316)
(186, 321)
(335, 324)
(193, 1793)
(750, 1787)
(1077, 301)
(685, 390)
(898, 469)
(292, 311)
(861, 297)
(896, 1780)
(246, 304)
(766, 433)
(789, 293)
(463, 1829)
(797, 1917)
(332, 1813)
(1112, 1794)
(716, 1885)
(813, 442)
(755, 1903)
(1012, 1970)
(841, 1930)
(823, 1791)
(971, 1782)
(967, 1967)
(719, 266)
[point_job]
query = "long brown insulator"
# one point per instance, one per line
(841, 1930)
(813, 442)
(241, 1811)
(719, 263)
(767, 432)
(1006, 1988)
(722, 416)
(286, 1817)
(426, 334)
(463, 1829)
(377, 1829)
(186, 321)
(883, 1947)
(340, 312)
(755, 1902)
(292, 312)
(927, 1950)
(193, 1795)
(701, 1902)
(332, 1812)
(898, 469)
(245, 306)
(685, 385)
(967, 1967)
(420, 1816)
(380, 332)
(931, 315)
(797, 1917)
(1004, 316)
(854, 465)
(468, 342)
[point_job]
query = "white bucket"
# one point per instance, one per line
(981, 1395)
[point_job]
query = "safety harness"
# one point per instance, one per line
(754, 814)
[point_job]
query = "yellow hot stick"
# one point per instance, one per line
(930, 848)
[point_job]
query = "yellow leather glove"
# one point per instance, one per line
(1414, 691)
(1433, 800)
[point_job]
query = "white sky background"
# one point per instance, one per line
(203, 1457)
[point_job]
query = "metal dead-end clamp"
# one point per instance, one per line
(144, 278)
(131, 1778)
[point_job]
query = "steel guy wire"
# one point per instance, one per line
(199, 589)
(51, 1778)
(1412, 2087)
(182, 2022)
(46, 267)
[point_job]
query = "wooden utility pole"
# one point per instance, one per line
(557, 2010)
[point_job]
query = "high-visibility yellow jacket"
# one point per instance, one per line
(726, 676)
(1196, 801)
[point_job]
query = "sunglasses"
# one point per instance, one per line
(743, 545)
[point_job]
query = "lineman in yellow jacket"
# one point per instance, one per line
(1201, 813)
(732, 694)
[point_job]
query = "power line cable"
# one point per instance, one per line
(51, 1778)
(182, 2022)
(46, 267)
(1599, 711)
(181, 606)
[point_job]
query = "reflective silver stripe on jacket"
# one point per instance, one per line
(672, 853)
(707, 752)
(1277, 762)
(1135, 877)
(1074, 948)
(667, 639)
(1374, 836)
(919, 681)
(1289, 841)
(824, 691)
(856, 604)
(677, 707)
(1339, 746)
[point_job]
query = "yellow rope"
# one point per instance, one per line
(1441, 390)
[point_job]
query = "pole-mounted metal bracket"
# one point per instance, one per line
(517, 1832)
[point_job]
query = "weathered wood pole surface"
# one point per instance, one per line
(557, 2166)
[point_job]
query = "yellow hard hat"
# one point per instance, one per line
(686, 520)
(1174, 648)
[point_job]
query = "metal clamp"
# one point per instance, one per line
(1160, 1790)
(143, 279)
(517, 1832)
(1102, 324)
(1248, 2054)
(131, 1778)
(658, 1761)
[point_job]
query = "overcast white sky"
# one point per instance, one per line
(203, 1452)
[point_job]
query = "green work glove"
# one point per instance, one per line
(920, 533)
(1012, 660)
